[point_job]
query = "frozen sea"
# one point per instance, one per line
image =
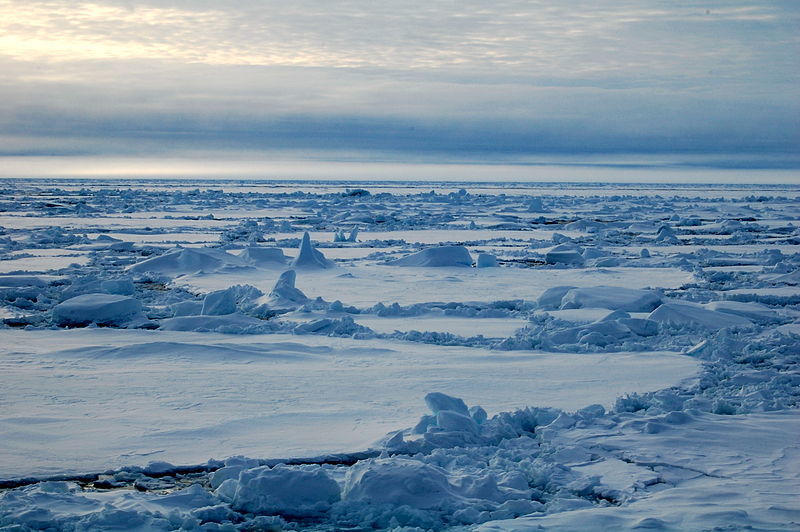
(254, 355)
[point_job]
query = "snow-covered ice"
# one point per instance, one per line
(243, 356)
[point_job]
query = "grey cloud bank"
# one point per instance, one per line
(511, 82)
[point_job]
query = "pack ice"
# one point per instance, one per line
(233, 355)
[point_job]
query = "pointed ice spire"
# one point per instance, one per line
(308, 257)
(284, 290)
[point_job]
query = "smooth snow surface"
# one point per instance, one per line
(128, 397)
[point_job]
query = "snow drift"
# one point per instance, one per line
(443, 256)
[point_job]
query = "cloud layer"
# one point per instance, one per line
(460, 81)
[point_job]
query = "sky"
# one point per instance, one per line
(265, 88)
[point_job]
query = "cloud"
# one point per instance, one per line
(470, 80)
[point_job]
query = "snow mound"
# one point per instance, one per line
(694, 316)
(97, 308)
(309, 258)
(666, 235)
(611, 297)
(551, 298)
(566, 253)
(182, 261)
(260, 256)
(443, 256)
(304, 492)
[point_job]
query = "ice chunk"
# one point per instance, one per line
(454, 422)
(284, 292)
(442, 256)
(398, 482)
(219, 303)
(691, 315)
(611, 297)
(98, 308)
(187, 308)
(486, 260)
(439, 402)
(261, 256)
(551, 298)
(227, 301)
(309, 258)
(535, 205)
(667, 236)
(566, 253)
(291, 491)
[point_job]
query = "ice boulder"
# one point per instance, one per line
(443, 256)
(399, 482)
(667, 236)
(182, 261)
(261, 256)
(486, 260)
(566, 253)
(285, 293)
(611, 297)
(439, 402)
(221, 302)
(98, 308)
(309, 258)
(536, 205)
(291, 491)
(693, 316)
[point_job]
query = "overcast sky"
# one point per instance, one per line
(636, 82)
